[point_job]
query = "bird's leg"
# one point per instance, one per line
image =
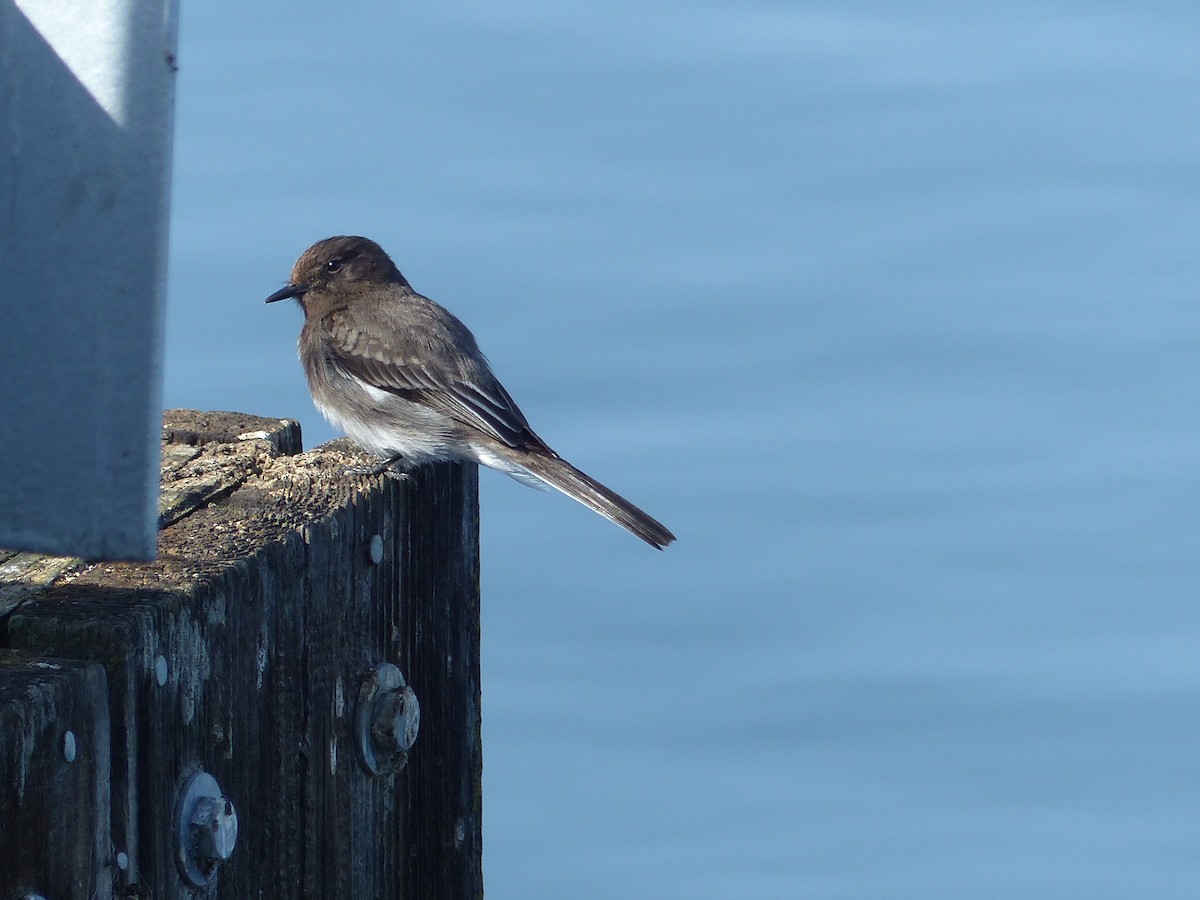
(380, 468)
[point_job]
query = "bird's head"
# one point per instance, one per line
(348, 263)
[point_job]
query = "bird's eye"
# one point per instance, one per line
(334, 265)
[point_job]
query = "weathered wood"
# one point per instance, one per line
(24, 575)
(54, 779)
(264, 610)
(192, 477)
(440, 638)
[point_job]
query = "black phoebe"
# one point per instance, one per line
(406, 381)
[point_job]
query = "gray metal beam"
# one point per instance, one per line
(86, 102)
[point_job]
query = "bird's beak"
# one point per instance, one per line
(288, 291)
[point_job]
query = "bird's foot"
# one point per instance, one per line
(384, 467)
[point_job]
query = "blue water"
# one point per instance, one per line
(889, 311)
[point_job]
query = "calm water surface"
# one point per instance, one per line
(888, 311)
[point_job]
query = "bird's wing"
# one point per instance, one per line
(425, 356)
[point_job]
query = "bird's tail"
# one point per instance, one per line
(561, 475)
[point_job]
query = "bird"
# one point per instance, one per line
(406, 381)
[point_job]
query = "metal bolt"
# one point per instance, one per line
(214, 829)
(69, 746)
(206, 829)
(395, 721)
(387, 718)
(376, 550)
(160, 670)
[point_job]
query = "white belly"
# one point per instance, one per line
(386, 425)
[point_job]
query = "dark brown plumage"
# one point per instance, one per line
(406, 380)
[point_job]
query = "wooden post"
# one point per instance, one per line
(54, 778)
(282, 584)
